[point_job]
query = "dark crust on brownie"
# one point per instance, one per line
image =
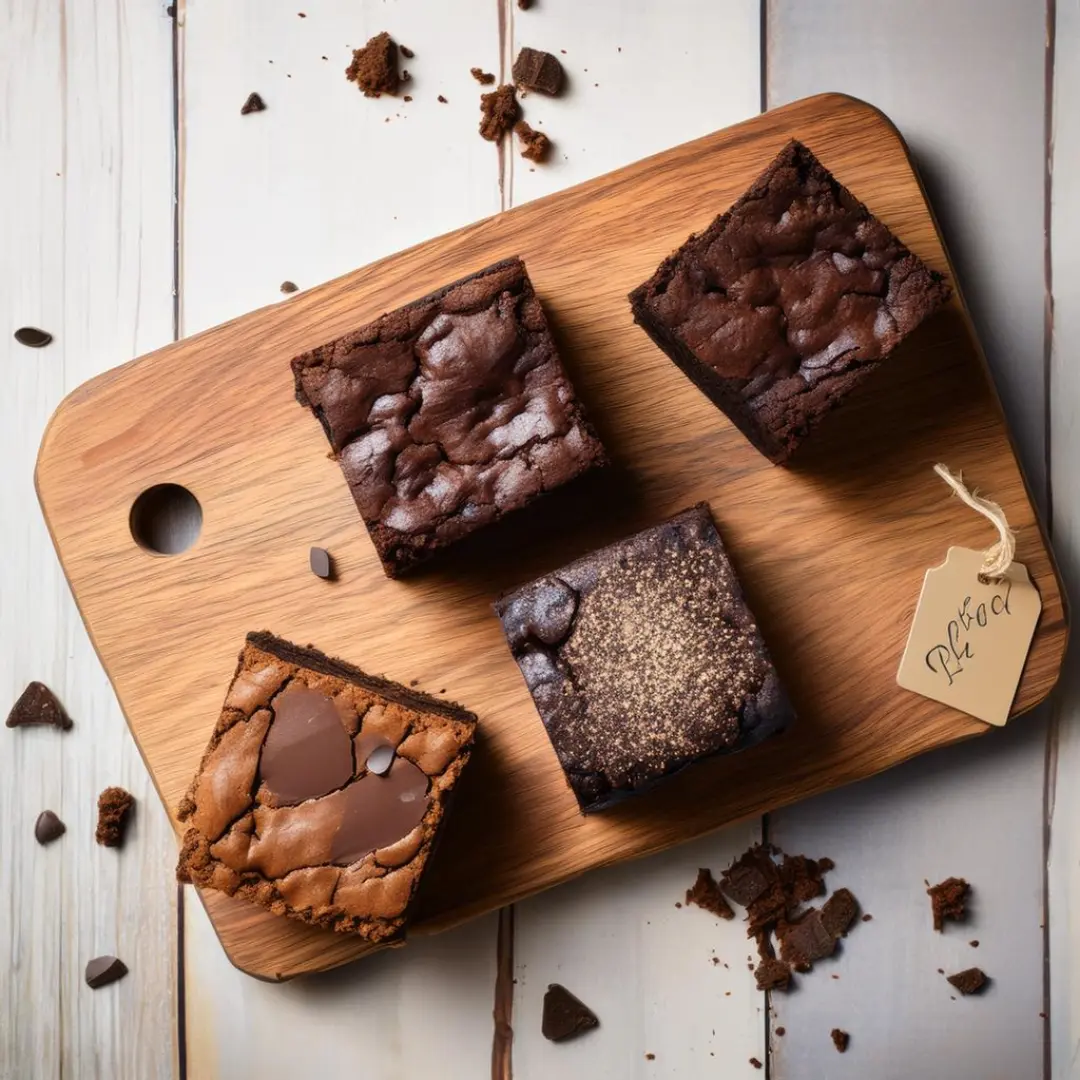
(784, 406)
(530, 363)
(542, 621)
(314, 660)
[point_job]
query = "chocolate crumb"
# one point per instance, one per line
(406, 52)
(103, 970)
(705, 893)
(442, 100)
(301, 14)
(648, 1057)
(678, 903)
(499, 110)
(48, 828)
(254, 103)
(37, 704)
(781, 1031)
(406, 98)
(970, 981)
(484, 78)
(524, 4)
(288, 287)
(114, 809)
(836, 977)
(974, 943)
(941, 971)
(414, 682)
(867, 917)
(948, 901)
(534, 145)
(755, 1063)
(772, 974)
(405, 76)
(374, 67)
(838, 912)
(537, 70)
(840, 1039)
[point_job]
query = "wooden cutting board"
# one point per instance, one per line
(832, 550)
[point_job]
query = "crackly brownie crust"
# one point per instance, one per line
(642, 658)
(448, 413)
(786, 302)
(291, 808)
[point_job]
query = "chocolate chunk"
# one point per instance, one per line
(31, 336)
(308, 752)
(804, 941)
(484, 78)
(380, 810)
(801, 878)
(970, 981)
(254, 103)
(380, 759)
(838, 912)
(38, 705)
(537, 70)
(321, 564)
(374, 67)
(706, 894)
(840, 1039)
(114, 808)
(772, 974)
(565, 1016)
(103, 970)
(48, 827)
(534, 144)
(749, 876)
(288, 287)
(948, 901)
(406, 52)
(499, 111)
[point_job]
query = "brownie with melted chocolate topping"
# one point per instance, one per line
(322, 791)
(642, 658)
(786, 302)
(449, 413)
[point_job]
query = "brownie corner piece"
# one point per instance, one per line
(786, 302)
(448, 413)
(322, 791)
(642, 658)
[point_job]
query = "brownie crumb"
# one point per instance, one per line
(974, 943)
(114, 807)
(948, 900)
(288, 287)
(442, 100)
(302, 14)
(705, 893)
(537, 70)
(374, 67)
(781, 1031)
(755, 1063)
(772, 974)
(254, 103)
(37, 704)
(534, 145)
(524, 4)
(840, 1039)
(565, 1016)
(499, 110)
(648, 1057)
(941, 971)
(406, 98)
(838, 912)
(484, 78)
(970, 981)
(867, 917)
(406, 52)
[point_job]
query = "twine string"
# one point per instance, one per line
(999, 556)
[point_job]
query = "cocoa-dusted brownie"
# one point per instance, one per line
(642, 658)
(786, 302)
(322, 791)
(448, 413)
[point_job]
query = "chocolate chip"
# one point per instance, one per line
(379, 811)
(406, 52)
(288, 287)
(380, 760)
(254, 103)
(566, 1016)
(321, 564)
(103, 970)
(48, 827)
(38, 705)
(32, 337)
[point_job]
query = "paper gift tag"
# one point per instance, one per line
(969, 640)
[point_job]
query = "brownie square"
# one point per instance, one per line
(448, 413)
(642, 658)
(322, 791)
(787, 302)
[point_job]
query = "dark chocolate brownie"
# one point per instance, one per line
(642, 658)
(448, 413)
(786, 302)
(322, 791)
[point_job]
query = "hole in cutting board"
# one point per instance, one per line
(166, 519)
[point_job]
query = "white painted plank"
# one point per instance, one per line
(1064, 798)
(971, 105)
(616, 938)
(323, 181)
(86, 221)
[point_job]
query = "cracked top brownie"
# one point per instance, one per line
(448, 413)
(786, 302)
(643, 657)
(322, 791)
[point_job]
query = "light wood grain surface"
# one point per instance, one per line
(271, 214)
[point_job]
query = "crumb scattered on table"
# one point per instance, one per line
(534, 147)
(406, 52)
(499, 111)
(442, 100)
(948, 900)
(969, 981)
(840, 1039)
(254, 103)
(755, 1063)
(114, 812)
(374, 67)
(484, 78)
(781, 1031)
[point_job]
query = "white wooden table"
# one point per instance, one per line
(138, 205)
